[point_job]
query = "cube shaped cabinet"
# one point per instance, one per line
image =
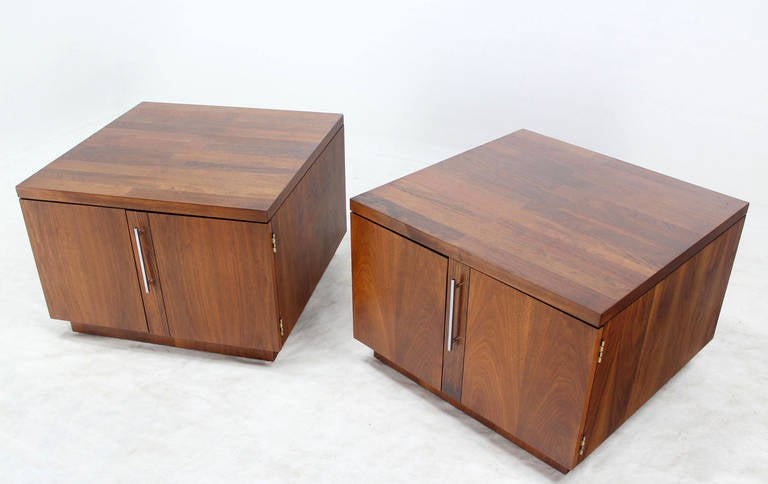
(544, 289)
(194, 226)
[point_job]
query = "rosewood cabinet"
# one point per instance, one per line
(193, 226)
(546, 290)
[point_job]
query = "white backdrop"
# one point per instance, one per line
(678, 87)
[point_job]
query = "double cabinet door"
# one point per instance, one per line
(189, 278)
(520, 365)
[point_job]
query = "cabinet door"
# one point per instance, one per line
(85, 262)
(527, 368)
(398, 293)
(217, 279)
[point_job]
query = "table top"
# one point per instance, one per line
(581, 231)
(226, 162)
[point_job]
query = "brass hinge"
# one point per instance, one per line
(282, 329)
(602, 349)
(274, 243)
(583, 443)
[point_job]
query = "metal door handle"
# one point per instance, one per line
(141, 260)
(450, 314)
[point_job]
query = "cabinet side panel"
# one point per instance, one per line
(84, 259)
(217, 280)
(309, 226)
(527, 367)
(652, 339)
(398, 295)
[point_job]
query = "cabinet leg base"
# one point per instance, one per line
(472, 414)
(171, 341)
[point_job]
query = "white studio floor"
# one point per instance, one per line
(79, 408)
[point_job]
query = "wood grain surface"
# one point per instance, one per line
(398, 295)
(217, 280)
(527, 367)
(472, 414)
(652, 339)
(83, 256)
(578, 230)
(222, 162)
(308, 228)
(154, 304)
(453, 361)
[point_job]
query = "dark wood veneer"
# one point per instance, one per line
(206, 188)
(308, 229)
(154, 304)
(585, 284)
(225, 162)
(453, 361)
(581, 231)
(212, 291)
(398, 299)
(654, 337)
(541, 455)
(527, 367)
(84, 260)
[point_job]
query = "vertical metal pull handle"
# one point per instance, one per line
(451, 299)
(141, 260)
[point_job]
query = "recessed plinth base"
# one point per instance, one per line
(170, 341)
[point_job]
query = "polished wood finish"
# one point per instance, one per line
(171, 341)
(212, 161)
(652, 339)
(578, 230)
(207, 187)
(453, 361)
(83, 257)
(217, 278)
(154, 303)
(472, 413)
(586, 284)
(308, 229)
(398, 299)
(528, 367)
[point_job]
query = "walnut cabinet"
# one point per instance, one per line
(502, 282)
(193, 226)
